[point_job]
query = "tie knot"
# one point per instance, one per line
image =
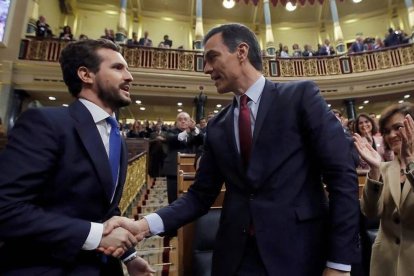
(243, 100)
(114, 124)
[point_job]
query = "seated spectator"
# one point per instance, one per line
(357, 46)
(66, 34)
(167, 42)
(307, 51)
(379, 44)
(145, 41)
(332, 51)
(137, 130)
(107, 35)
(83, 37)
(42, 28)
(393, 38)
(285, 52)
(134, 40)
(324, 49)
(296, 50)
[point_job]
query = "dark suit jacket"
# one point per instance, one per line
(297, 142)
(174, 146)
(54, 180)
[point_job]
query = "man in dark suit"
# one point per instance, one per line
(185, 137)
(145, 41)
(276, 217)
(167, 41)
(57, 189)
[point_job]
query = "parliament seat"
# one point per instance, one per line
(205, 231)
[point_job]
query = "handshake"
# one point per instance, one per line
(120, 234)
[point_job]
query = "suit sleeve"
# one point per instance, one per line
(28, 163)
(333, 154)
(200, 195)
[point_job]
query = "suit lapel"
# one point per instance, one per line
(266, 102)
(393, 177)
(92, 142)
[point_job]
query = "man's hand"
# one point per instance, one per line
(333, 272)
(139, 228)
(117, 242)
(139, 267)
(113, 223)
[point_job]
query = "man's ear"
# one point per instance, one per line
(242, 51)
(85, 75)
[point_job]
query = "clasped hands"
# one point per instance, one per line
(121, 233)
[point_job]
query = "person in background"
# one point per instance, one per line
(185, 137)
(134, 40)
(42, 28)
(66, 33)
(273, 147)
(167, 42)
(60, 187)
(388, 192)
(145, 41)
(366, 127)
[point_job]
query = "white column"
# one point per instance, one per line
(120, 35)
(199, 32)
(410, 9)
(338, 36)
(270, 41)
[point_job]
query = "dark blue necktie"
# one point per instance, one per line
(114, 150)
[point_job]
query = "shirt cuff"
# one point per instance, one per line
(155, 223)
(341, 267)
(196, 131)
(94, 236)
(182, 136)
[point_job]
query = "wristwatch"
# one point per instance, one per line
(410, 167)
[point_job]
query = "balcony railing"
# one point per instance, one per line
(192, 61)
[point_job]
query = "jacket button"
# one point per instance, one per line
(397, 240)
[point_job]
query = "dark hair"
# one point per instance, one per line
(233, 34)
(403, 108)
(365, 115)
(82, 53)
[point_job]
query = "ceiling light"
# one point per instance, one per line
(365, 102)
(406, 96)
(179, 110)
(228, 4)
(329, 105)
(215, 111)
(179, 104)
(111, 12)
(142, 108)
(290, 7)
(65, 105)
(401, 101)
(218, 106)
(361, 107)
(52, 98)
(167, 18)
(138, 102)
(356, 1)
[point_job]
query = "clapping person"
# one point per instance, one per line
(388, 193)
(367, 129)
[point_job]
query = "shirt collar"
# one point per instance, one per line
(98, 114)
(255, 91)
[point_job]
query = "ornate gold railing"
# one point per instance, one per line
(192, 61)
(136, 180)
